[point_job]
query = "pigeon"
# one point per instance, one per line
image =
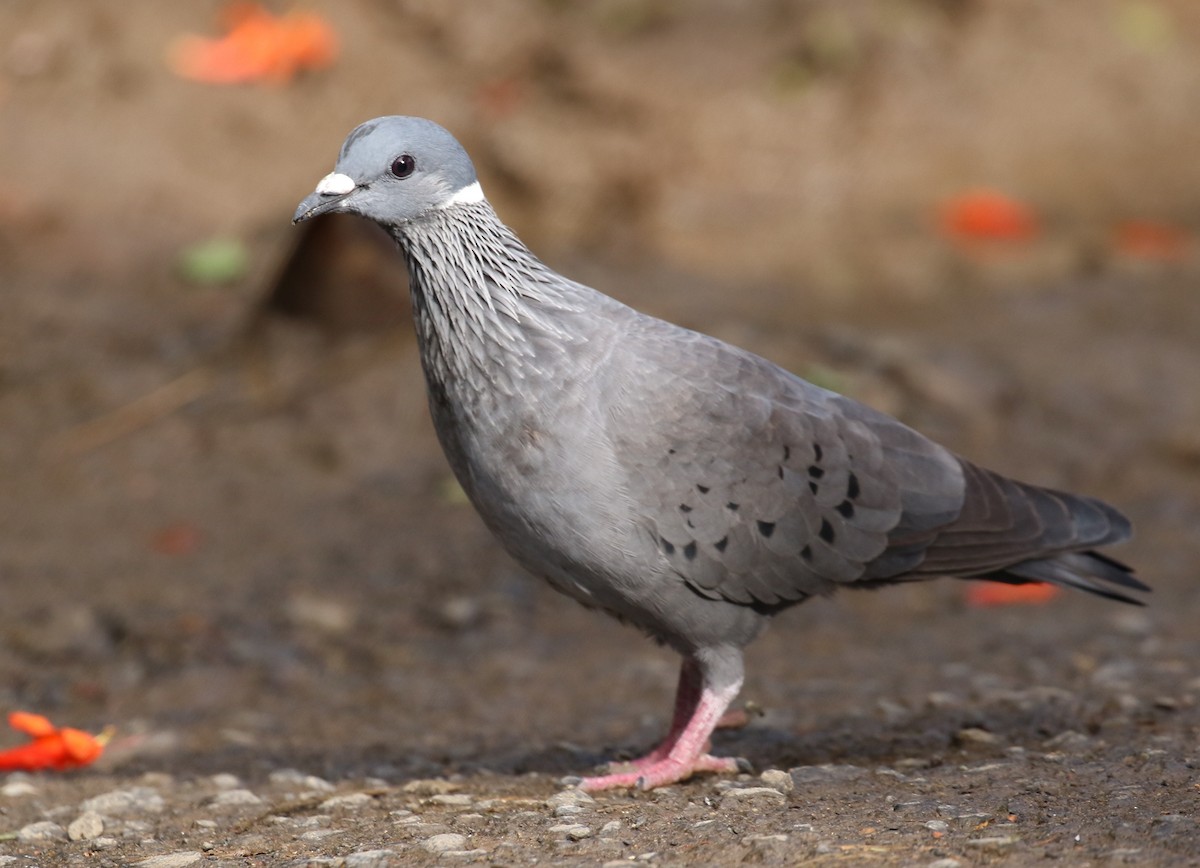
(682, 485)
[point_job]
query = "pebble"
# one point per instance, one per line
(445, 842)
(937, 826)
(347, 802)
(975, 735)
(296, 778)
(46, 830)
(235, 799)
(454, 800)
(14, 789)
(578, 798)
(86, 826)
(429, 787)
(371, 859)
(179, 859)
(944, 863)
(827, 772)
(137, 800)
(999, 842)
(225, 781)
(742, 795)
(762, 845)
(778, 779)
(567, 810)
(612, 827)
(574, 831)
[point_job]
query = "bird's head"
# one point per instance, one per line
(395, 169)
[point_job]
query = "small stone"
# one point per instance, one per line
(235, 799)
(445, 842)
(973, 735)
(15, 789)
(320, 614)
(43, 831)
(778, 779)
(459, 613)
(999, 842)
(347, 802)
(573, 831)
(225, 781)
(937, 826)
(179, 859)
(745, 795)
(137, 800)
(944, 863)
(612, 827)
(86, 826)
(454, 800)
(763, 845)
(825, 773)
(429, 787)
(1067, 740)
(372, 859)
(295, 778)
(577, 798)
(567, 810)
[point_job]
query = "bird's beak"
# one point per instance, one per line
(330, 195)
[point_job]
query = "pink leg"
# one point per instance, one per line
(698, 709)
(687, 697)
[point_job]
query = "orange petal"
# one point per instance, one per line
(31, 724)
(258, 46)
(1147, 239)
(987, 215)
(984, 594)
(80, 747)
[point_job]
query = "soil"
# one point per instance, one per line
(226, 528)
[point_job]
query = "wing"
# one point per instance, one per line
(761, 488)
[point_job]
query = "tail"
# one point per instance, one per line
(1016, 533)
(1088, 571)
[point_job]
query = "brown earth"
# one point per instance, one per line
(229, 532)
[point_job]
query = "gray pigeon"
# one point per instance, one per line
(680, 484)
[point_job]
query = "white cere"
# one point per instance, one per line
(335, 184)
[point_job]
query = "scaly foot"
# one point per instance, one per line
(659, 773)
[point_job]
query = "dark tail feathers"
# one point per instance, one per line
(1088, 570)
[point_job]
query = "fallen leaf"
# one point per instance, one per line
(219, 260)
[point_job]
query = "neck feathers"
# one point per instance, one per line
(487, 310)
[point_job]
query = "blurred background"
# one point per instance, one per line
(225, 525)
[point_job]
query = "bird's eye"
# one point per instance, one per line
(403, 166)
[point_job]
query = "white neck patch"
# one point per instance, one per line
(335, 184)
(468, 195)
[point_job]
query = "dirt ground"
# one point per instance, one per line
(226, 528)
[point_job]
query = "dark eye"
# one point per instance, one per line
(403, 165)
